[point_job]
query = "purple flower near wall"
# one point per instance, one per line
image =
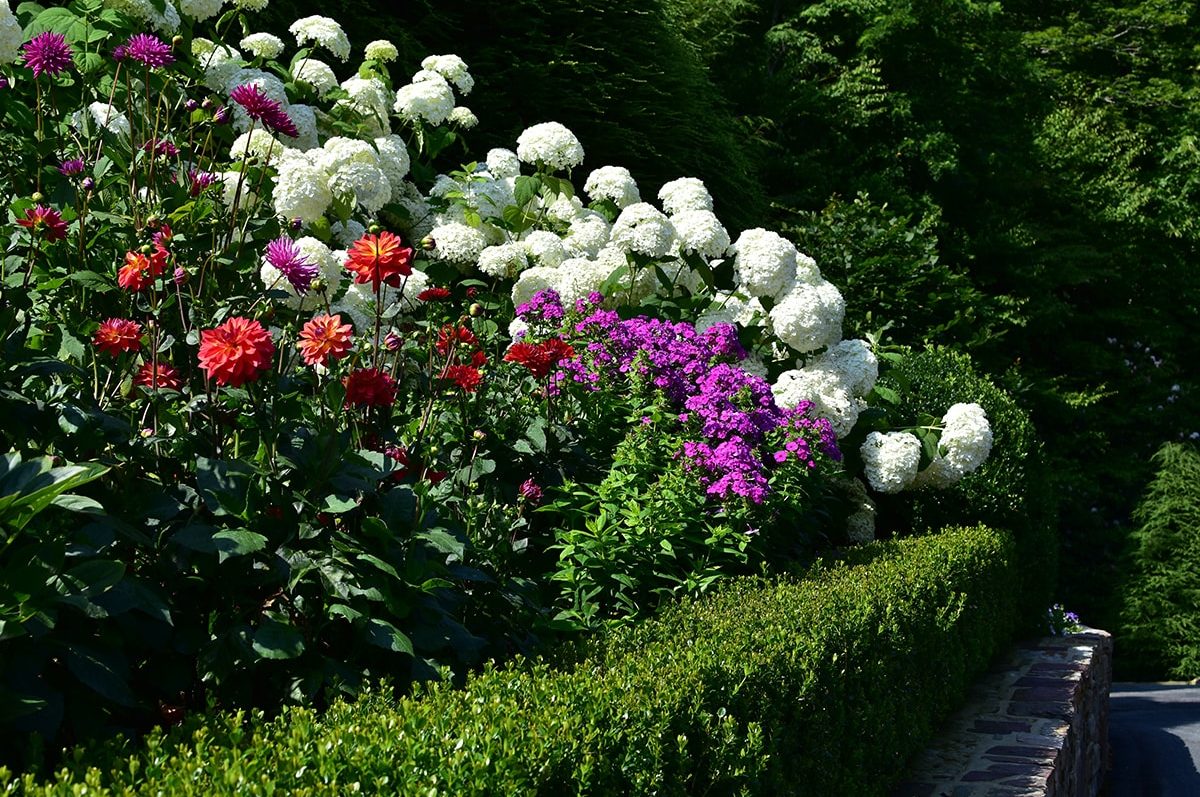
(149, 50)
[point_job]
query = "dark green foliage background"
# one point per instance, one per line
(852, 668)
(1160, 629)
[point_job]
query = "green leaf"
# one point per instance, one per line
(97, 575)
(443, 542)
(70, 348)
(238, 542)
(335, 504)
(525, 188)
(888, 395)
(276, 640)
(101, 672)
(383, 634)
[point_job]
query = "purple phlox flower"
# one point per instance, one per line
(283, 254)
(48, 53)
(259, 106)
(71, 168)
(530, 492)
(544, 309)
(149, 49)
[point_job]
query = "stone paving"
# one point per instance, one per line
(1035, 725)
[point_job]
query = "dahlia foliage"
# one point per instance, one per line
(342, 377)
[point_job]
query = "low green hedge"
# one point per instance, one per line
(819, 686)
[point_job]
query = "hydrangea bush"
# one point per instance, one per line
(290, 406)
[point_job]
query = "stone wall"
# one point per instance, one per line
(1037, 724)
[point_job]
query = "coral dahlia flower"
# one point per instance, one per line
(140, 271)
(236, 352)
(164, 376)
(41, 219)
(540, 358)
(435, 294)
(324, 338)
(380, 258)
(118, 335)
(370, 387)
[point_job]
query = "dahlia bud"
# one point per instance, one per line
(181, 276)
(88, 184)
(176, 41)
(191, 105)
(222, 115)
(479, 435)
(392, 341)
(296, 224)
(207, 104)
(3, 83)
(475, 310)
(428, 244)
(374, 229)
(38, 197)
(472, 293)
(147, 249)
(318, 285)
(153, 221)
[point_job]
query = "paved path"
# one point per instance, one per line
(1155, 734)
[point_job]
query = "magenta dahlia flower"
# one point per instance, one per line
(283, 254)
(48, 53)
(150, 50)
(266, 110)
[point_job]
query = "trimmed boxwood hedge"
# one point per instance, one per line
(823, 685)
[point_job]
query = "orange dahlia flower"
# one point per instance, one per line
(140, 271)
(236, 352)
(164, 376)
(324, 338)
(380, 258)
(117, 335)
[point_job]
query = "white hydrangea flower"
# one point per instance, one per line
(489, 198)
(366, 181)
(250, 5)
(825, 390)
(229, 184)
(613, 183)
(430, 99)
(107, 117)
(305, 119)
(517, 329)
(545, 248)
(754, 365)
(745, 312)
(684, 194)
(463, 117)
(323, 31)
(860, 524)
(810, 317)
(317, 74)
(642, 228)
(890, 460)
(452, 68)
(532, 280)
(503, 163)
(550, 144)
(966, 437)
(458, 243)
(394, 160)
(700, 231)
(764, 263)
(219, 62)
(381, 50)
(576, 277)
(938, 475)
(258, 143)
(338, 151)
(346, 234)
(566, 209)
(166, 21)
(712, 317)
(586, 236)
(262, 45)
(504, 260)
(301, 188)
(369, 97)
(854, 362)
(200, 10)
(11, 36)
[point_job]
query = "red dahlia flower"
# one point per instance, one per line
(370, 387)
(117, 335)
(236, 352)
(163, 377)
(450, 337)
(540, 358)
(140, 271)
(465, 377)
(434, 294)
(41, 219)
(380, 258)
(324, 338)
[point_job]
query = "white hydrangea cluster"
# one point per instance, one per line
(810, 317)
(504, 260)
(322, 31)
(463, 117)
(219, 62)
(165, 21)
(642, 228)
(550, 144)
(890, 460)
(684, 194)
(250, 5)
(368, 97)
(544, 248)
(830, 397)
(965, 444)
(764, 263)
(458, 243)
(381, 50)
(701, 232)
(305, 119)
(200, 10)
(262, 45)
(106, 117)
(587, 235)
(428, 98)
(301, 188)
(503, 163)
(453, 69)
(613, 183)
(257, 143)
(11, 37)
(315, 73)
(855, 364)
(394, 160)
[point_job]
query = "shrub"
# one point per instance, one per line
(1010, 490)
(1160, 618)
(819, 686)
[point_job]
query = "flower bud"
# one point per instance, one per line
(296, 224)
(146, 249)
(392, 341)
(38, 197)
(181, 276)
(428, 244)
(374, 229)
(3, 83)
(318, 285)
(472, 293)
(479, 435)
(475, 310)
(222, 115)
(176, 41)
(207, 104)
(153, 222)
(191, 105)
(88, 184)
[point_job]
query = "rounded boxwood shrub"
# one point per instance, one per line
(1160, 618)
(1010, 490)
